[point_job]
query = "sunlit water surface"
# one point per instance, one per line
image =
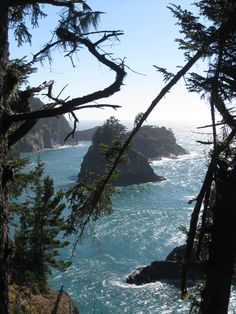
(143, 227)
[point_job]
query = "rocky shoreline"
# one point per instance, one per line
(170, 269)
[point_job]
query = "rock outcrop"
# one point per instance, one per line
(151, 141)
(156, 142)
(168, 269)
(47, 133)
(135, 171)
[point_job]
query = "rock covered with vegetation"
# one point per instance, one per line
(151, 141)
(135, 170)
(46, 133)
(156, 142)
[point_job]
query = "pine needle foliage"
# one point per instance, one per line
(36, 242)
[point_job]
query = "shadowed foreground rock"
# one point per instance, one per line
(168, 269)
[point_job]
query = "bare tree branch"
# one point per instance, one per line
(78, 103)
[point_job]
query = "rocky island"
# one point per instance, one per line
(156, 142)
(135, 171)
(151, 142)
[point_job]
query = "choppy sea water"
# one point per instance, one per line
(143, 227)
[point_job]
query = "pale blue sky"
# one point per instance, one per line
(149, 38)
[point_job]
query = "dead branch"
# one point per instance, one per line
(72, 133)
(78, 103)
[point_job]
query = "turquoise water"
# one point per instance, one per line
(143, 228)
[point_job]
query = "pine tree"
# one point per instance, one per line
(76, 28)
(36, 241)
(216, 38)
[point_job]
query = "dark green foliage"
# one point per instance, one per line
(218, 38)
(76, 28)
(214, 34)
(36, 243)
(167, 76)
(111, 130)
(19, 16)
(89, 199)
(157, 133)
(20, 179)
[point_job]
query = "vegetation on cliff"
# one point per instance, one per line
(47, 133)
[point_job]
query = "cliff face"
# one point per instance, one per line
(85, 135)
(47, 133)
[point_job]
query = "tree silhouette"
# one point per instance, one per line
(36, 242)
(76, 29)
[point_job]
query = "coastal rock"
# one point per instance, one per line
(176, 254)
(155, 271)
(136, 171)
(156, 142)
(47, 133)
(169, 269)
(151, 141)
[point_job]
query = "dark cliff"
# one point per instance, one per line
(85, 135)
(47, 133)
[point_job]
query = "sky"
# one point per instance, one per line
(149, 39)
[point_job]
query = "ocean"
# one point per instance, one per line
(143, 227)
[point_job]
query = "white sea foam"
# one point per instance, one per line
(191, 155)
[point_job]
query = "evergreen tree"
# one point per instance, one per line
(76, 28)
(216, 40)
(36, 241)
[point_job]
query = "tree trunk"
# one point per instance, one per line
(4, 245)
(216, 293)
